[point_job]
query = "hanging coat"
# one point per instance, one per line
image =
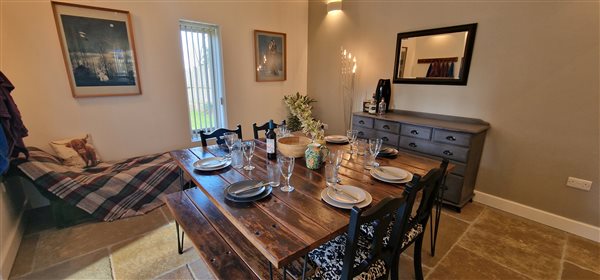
(10, 118)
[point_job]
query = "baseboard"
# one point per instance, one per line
(575, 227)
(9, 253)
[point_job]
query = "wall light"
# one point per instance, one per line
(334, 6)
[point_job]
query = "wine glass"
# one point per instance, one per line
(351, 134)
(230, 138)
(248, 148)
(374, 146)
(286, 166)
(283, 131)
(335, 158)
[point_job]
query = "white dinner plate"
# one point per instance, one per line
(336, 139)
(405, 180)
(328, 200)
(342, 198)
(212, 164)
(390, 173)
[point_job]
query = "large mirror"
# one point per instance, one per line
(435, 56)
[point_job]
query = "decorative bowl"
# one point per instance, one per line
(293, 146)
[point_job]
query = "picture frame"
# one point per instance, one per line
(270, 51)
(98, 49)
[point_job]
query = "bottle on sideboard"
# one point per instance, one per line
(271, 141)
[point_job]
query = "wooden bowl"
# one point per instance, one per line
(293, 146)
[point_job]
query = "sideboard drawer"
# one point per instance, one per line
(451, 137)
(392, 127)
(362, 121)
(416, 131)
(415, 144)
(364, 132)
(459, 168)
(387, 138)
(454, 185)
(451, 152)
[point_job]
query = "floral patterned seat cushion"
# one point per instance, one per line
(329, 259)
(369, 231)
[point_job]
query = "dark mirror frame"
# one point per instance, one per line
(470, 28)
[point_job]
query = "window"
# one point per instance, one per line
(201, 49)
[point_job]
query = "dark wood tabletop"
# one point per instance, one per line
(285, 226)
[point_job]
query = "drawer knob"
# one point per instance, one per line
(450, 138)
(385, 139)
(361, 122)
(385, 126)
(360, 133)
(448, 153)
(412, 145)
(414, 131)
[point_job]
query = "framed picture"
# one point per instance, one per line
(270, 56)
(98, 49)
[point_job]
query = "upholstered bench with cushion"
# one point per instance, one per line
(106, 191)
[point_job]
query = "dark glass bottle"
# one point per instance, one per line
(271, 142)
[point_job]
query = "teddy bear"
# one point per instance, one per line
(84, 150)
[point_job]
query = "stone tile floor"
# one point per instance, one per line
(478, 243)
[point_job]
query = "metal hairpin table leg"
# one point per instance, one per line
(433, 229)
(304, 266)
(270, 271)
(179, 240)
(284, 273)
(181, 180)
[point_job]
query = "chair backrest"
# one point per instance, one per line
(264, 127)
(380, 217)
(218, 133)
(431, 185)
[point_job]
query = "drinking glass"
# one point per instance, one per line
(237, 156)
(330, 175)
(351, 134)
(361, 146)
(283, 131)
(229, 137)
(335, 158)
(273, 173)
(286, 167)
(374, 146)
(248, 148)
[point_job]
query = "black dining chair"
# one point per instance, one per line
(412, 228)
(263, 127)
(218, 134)
(351, 255)
(430, 185)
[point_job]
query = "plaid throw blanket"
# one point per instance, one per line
(110, 190)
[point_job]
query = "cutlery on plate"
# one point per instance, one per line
(388, 172)
(249, 188)
(347, 194)
(213, 162)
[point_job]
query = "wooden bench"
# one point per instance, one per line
(227, 253)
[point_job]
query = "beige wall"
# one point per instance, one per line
(157, 120)
(534, 76)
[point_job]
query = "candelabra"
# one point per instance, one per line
(347, 77)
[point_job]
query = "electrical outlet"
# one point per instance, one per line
(579, 183)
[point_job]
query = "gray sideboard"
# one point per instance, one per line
(435, 136)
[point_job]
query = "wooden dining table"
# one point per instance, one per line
(281, 227)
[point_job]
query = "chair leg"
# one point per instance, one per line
(417, 258)
(179, 240)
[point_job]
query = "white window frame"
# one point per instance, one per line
(217, 79)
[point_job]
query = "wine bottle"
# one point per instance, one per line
(271, 141)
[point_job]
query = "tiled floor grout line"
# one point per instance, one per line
(562, 258)
(502, 265)
(455, 243)
(83, 254)
(582, 267)
(110, 263)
